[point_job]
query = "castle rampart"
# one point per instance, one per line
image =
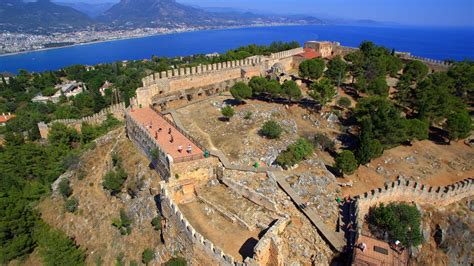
(405, 190)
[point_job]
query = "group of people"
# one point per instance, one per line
(189, 148)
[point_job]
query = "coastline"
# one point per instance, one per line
(151, 35)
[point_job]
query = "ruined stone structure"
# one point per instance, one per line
(325, 49)
(116, 110)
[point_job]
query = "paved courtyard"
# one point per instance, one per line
(167, 136)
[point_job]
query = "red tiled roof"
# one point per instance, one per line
(5, 118)
(309, 53)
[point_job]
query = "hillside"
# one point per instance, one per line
(40, 16)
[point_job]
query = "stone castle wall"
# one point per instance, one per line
(405, 190)
(116, 110)
(186, 233)
(148, 145)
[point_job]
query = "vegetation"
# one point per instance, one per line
(291, 90)
(64, 188)
(178, 261)
(71, 204)
(227, 111)
(271, 130)
(399, 220)
(346, 162)
(156, 222)
(241, 91)
(458, 125)
(344, 102)
(324, 142)
(337, 70)
(312, 69)
(322, 91)
(295, 153)
(114, 180)
(123, 223)
(147, 256)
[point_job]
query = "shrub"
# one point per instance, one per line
(271, 130)
(241, 91)
(156, 222)
(344, 102)
(123, 223)
(114, 180)
(228, 112)
(81, 174)
(147, 256)
(178, 261)
(116, 160)
(295, 153)
(64, 188)
(71, 204)
(399, 220)
(324, 142)
(346, 162)
(248, 115)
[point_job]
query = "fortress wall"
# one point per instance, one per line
(268, 249)
(116, 110)
(405, 190)
(197, 242)
(148, 145)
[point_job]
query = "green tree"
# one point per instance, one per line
(178, 261)
(458, 125)
(123, 223)
(114, 180)
(241, 91)
(271, 130)
(378, 86)
(417, 129)
(344, 102)
(346, 162)
(17, 225)
(228, 112)
(361, 84)
(368, 147)
(258, 84)
(416, 69)
(273, 88)
(399, 220)
(291, 90)
(322, 91)
(312, 69)
(156, 222)
(295, 153)
(61, 135)
(462, 74)
(147, 256)
(56, 248)
(337, 70)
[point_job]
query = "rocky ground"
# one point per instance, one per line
(91, 225)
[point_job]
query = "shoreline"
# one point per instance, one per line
(150, 35)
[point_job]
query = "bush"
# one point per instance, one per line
(248, 115)
(71, 204)
(147, 256)
(295, 153)
(178, 261)
(241, 91)
(123, 223)
(324, 142)
(228, 112)
(271, 130)
(344, 102)
(399, 220)
(64, 188)
(346, 162)
(156, 222)
(114, 180)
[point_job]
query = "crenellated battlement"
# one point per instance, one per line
(403, 190)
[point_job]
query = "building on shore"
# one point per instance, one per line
(69, 89)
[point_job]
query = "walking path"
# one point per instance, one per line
(335, 239)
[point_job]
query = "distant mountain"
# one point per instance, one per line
(41, 16)
(91, 9)
(169, 13)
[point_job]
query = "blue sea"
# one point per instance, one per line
(436, 43)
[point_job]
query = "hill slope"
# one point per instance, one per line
(40, 16)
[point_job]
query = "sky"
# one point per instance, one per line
(409, 12)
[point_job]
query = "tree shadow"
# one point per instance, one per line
(223, 119)
(334, 170)
(233, 102)
(437, 136)
(246, 250)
